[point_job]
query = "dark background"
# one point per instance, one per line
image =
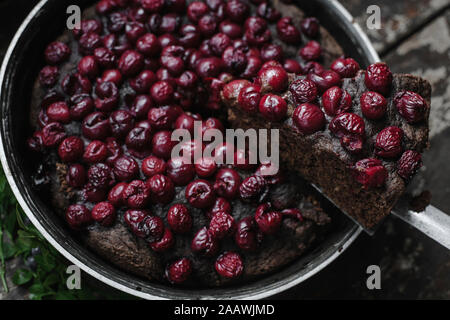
(414, 38)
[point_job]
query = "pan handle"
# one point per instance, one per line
(432, 222)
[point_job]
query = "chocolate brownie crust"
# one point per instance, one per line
(321, 159)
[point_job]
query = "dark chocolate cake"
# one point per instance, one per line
(112, 91)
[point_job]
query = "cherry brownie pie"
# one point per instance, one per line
(111, 92)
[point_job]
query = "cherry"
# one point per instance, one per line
(48, 76)
(227, 183)
(345, 67)
(115, 195)
(256, 31)
(220, 205)
(162, 144)
(179, 218)
(350, 128)
(200, 194)
(52, 134)
(310, 27)
(272, 107)
(71, 149)
(152, 228)
(253, 188)
(131, 62)
(162, 92)
(80, 106)
(133, 218)
(324, 80)
(408, 164)
(78, 216)
(196, 10)
(58, 112)
(411, 106)
(125, 168)
(179, 271)
(105, 58)
(268, 221)
(153, 165)
(96, 126)
(148, 45)
(139, 138)
(162, 188)
(292, 66)
(336, 100)
(88, 42)
(229, 265)
(136, 194)
(389, 142)
(100, 176)
(76, 175)
(165, 243)
(373, 105)
(104, 213)
(57, 52)
(121, 122)
(287, 31)
(236, 10)
(204, 244)
(205, 167)
(247, 237)
(308, 118)
(221, 225)
(370, 173)
(378, 78)
(303, 90)
(311, 51)
(266, 11)
(272, 78)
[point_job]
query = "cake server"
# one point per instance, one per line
(431, 221)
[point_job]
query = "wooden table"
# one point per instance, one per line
(414, 38)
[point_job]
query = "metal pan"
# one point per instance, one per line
(21, 63)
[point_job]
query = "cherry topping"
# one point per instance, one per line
(411, 106)
(336, 101)
(137, 194)
(227, 183)
(104, 213)
(162, 189)
(345, 67)
(229, 265)
(78, 216)
(389, 142)
(268, 221)
(272, 107)
(303, 90)
(373, 105)
(409, 163)
(378, 78)
(308, 118)
(179, 271)
(221, 225)
(370, 172)
(350, 128)
(204, 244)
(165, 243)
(71, 149)
(200, 194)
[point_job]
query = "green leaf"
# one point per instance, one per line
(9, 250)
(51, 280)
(22, 276)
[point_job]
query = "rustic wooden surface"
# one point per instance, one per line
(414, 38)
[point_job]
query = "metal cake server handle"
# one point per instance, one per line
(431, 221)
